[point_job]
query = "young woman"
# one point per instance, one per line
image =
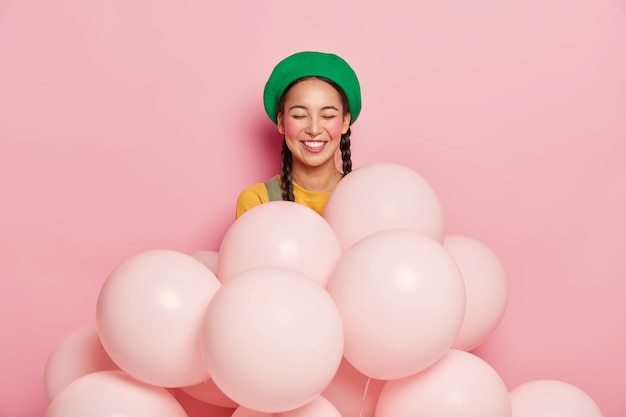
(313, 98)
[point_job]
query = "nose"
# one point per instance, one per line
(314, 127)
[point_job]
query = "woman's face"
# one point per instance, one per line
(312, 122)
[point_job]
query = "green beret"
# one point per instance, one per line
(312, 64)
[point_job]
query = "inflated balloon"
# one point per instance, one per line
(196, 408)
(353, 393)
(208, 392)
(149, 314)
(272, 339)
(279, 233)
(246, 412)
(459, 385)
(383, 196)
(552, 398)
(208, 258)
(319, 407)
(485, 287)
(113, 393)
(78, 354)
(402, 300)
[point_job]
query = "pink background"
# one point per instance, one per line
(133, 125)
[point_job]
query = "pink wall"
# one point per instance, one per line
(128, 126)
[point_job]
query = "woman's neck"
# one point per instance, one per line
(319, 179)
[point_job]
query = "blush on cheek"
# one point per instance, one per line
(291, 128)
(335, 127)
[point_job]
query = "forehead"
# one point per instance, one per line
(313, 91)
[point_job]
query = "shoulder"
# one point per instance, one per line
(250, 197)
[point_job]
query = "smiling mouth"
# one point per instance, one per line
(314, 144)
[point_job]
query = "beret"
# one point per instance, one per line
(312, 64)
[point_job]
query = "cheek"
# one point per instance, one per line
(335, 127)
(291, 128)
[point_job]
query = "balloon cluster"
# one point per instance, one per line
(367, 311)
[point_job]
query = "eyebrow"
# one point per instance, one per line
(299, 106)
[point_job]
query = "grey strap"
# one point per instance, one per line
(273, 189)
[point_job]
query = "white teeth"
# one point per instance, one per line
(314, 144)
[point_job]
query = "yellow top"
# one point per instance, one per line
(257, 194)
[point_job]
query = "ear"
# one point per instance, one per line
(280, 123)
(346, 123)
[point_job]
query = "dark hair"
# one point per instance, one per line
(286, 157)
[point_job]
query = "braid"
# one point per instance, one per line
(285, 175)
(346, 155)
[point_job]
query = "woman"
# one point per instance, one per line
(313, 98)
